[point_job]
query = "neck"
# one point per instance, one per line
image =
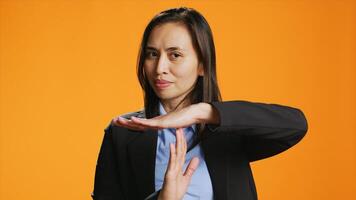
(174, 104)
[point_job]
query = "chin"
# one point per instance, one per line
(166, 95)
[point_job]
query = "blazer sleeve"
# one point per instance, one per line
(106, 184)
(266, 129)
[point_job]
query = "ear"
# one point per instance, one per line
(200, 69)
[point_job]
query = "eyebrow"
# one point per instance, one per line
(167, 49)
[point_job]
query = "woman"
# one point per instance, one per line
(147, 158)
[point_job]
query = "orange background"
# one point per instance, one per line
(68, 67)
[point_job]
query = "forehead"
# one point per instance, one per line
(170, 34)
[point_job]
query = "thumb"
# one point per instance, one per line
(193, 165)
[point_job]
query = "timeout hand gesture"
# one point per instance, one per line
(176, 181)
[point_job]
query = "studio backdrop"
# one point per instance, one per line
(68, 67)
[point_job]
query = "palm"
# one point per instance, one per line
(175, 181)
(175, 119)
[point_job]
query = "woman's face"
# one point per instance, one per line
(171, 62)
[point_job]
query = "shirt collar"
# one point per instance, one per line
(162, 111)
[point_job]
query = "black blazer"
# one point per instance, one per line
(248, 131)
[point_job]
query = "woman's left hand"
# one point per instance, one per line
(176, 182)
(185, 117)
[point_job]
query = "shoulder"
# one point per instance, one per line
(113, 128)
(138, 113)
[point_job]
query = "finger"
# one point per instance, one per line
(126, 123)
(184, 142)
(172, 157)
(184, 146)
(161, 121)
(178, 147)
(119, 122)
(133, 124)
(147, 123)
(193, 165)
(180, 150)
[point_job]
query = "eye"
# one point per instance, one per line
(175, 55)
(151, 54)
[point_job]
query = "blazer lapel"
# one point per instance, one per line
(142, 155)
(216, 159)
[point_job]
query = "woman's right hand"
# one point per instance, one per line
(176, 182)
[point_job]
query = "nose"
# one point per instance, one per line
(162, 65)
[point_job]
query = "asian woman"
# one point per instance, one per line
(186, 143)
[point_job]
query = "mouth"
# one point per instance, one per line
(162, 84)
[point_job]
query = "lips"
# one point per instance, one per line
(161, 83)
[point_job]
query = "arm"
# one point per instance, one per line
(106, 186)
(266, 129)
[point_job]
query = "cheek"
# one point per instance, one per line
(186, 69)
(185, 75)
(148, 69)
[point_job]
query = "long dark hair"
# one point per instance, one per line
(206, 87)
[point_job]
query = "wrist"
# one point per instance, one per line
(159, 197)
(206, 113)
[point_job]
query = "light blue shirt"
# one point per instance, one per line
(200, 186)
